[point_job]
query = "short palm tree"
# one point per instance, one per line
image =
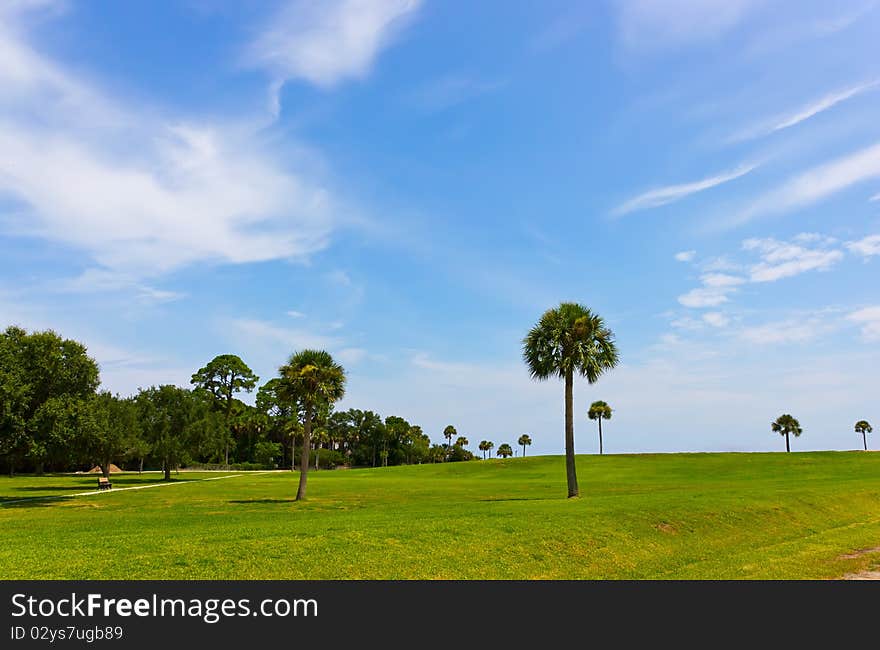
(863, 427)
(599, 411)
(569, 339)
(505, 450)
(462, 442)
(786, 425)
(315, 380)
(489, 447)
(524, 441)
(484, 447)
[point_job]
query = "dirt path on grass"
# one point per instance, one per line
(864, 574)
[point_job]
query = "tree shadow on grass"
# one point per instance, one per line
(519, 499)
(32, 502)
(52, 488)
(248, 502)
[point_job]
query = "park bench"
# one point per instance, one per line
(104, 483)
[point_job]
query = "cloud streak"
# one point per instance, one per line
(815, 184)
(672, 193)
(803, 113)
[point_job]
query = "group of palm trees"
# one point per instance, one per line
(567, 340)
(504, 449)
(787, 425)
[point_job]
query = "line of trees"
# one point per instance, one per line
(54, 418)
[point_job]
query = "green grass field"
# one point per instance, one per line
(640, 516)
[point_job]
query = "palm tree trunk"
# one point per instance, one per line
(600, 435)
(787, 447)
(865, 440)
(304, 459)
(570, 472)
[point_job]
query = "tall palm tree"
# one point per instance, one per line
(316, 380)
(489, 446)
(448, 433)
(524, 441)
(569, 339)
(863, 427)
(483, 446)
(786, 425)
(599, 411)
(504, 450)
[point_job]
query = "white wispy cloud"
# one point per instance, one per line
(815, 184)
(651, 25)
(869, 320)
(866, 247)
(716, 319)
(721, 280)
(784, 259)
(141, 194)
(671, 193)
(803, 113)
(102, 281)
(788, 331)
(685, 256)
(777, 260)
(327, 42)
(705, 297)
(287, 339)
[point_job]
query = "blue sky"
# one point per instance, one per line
(410, 184)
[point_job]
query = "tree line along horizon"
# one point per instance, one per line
(52, 415)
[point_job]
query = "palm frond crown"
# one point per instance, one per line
(569, 338)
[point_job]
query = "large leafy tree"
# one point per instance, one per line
(786, 425)
(313, 378)
(113, 429)
(599, 410)
(863, 427)
(167, 415)
(44, 377)
(368, 431)
(567, 340)
(505, 450)
(223, 377)
(524, 441)
(282, 411)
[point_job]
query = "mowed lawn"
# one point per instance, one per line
(799, 515)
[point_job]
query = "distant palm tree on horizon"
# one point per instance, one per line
(863, 427)
(786, 425)
(567, 339)
(599, 410)
(505, 450)
(524, 441)
(448, 433)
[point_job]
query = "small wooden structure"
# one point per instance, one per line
(104, 483)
